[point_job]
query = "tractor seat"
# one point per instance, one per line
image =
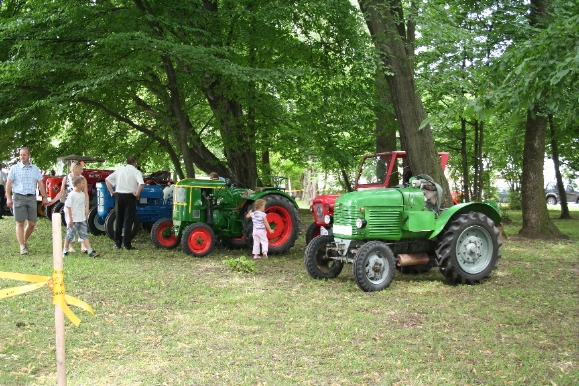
(432, 192)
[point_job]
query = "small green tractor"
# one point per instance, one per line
(383, 230)
(208, 211)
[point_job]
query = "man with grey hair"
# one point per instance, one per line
(23, 179)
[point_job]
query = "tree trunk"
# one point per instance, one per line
(386, 120)
(536, 221)
(385, 20)
(463, 153)
(238, 141)
(310, 185)
(555, 155)
(476, 177)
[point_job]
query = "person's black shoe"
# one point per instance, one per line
(116, 246)
(130, 248)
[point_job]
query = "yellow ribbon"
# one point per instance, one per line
(55, 283)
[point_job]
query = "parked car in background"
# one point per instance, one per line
(552, 194)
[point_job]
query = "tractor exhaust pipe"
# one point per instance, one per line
(406, 259)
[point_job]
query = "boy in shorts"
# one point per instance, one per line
(75, 206)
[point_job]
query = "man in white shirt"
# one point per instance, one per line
(2, 191)
(128, 182)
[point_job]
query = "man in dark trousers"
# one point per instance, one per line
(128, 183)
(3, 180)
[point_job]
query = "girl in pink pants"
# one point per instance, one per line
(260, 225)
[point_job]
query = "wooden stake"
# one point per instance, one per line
(58, 313)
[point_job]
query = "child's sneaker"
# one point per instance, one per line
(256, 257)
(65, 254)
(265, 255)
(93, 254)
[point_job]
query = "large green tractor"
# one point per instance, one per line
(382, 230)
(208, 211)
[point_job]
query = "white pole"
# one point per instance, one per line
(58, 312)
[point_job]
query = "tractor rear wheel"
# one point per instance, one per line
(374, 266)
(40, 209)
(163, 235)
(96, 223)
(283, 219)
(316, 259)
(469, 249)
(48, 212)
(59, 208)
(198, 239)
(110, 222)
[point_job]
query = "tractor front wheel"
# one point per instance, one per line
(317, 260)
(110, 222)
(198, 239)
(314, 230)
(163, 234)
(469, 249)
(96, 223)
(374, 266)
(551, 200)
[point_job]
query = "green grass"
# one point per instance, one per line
(165, 318)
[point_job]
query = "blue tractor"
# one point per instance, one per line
(155, 202)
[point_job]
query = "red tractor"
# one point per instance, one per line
(375, 171)
(53, 184)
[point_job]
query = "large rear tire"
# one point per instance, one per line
(48, 212)
(469, 249)
(198, 239)
(283, 218)
(96, 223)
(374, 266)
(110, 222)
(59, 208)
(163, 234)
(318, 264)
(40, 209)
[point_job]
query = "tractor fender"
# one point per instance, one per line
(257, 195)
(487, 208)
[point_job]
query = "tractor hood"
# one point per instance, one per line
(371, 197)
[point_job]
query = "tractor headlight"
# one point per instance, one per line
(360, 223)
(328, 219)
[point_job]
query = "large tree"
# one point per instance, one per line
(393, 33)
(212, 84)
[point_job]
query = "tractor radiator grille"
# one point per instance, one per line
(383, 224)
(345, 215)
